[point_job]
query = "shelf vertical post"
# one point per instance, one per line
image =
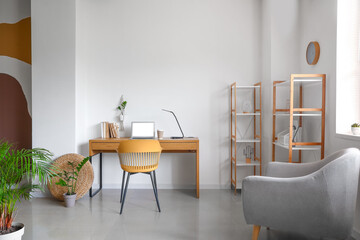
(291, 116)
(300, 118)
(235, 138)
(323, 115)
(260, 155)
(274, 123)
(254, 128)
(231, 133)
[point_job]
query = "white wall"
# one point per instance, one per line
(53, 75)
(180, 55)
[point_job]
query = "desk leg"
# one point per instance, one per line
(91, 194)
(197, 174)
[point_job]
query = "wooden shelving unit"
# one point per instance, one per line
(299, 112)
(234, 139)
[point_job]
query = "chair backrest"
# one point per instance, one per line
(139, 155)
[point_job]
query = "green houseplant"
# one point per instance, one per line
(18, 167)
(69, 179)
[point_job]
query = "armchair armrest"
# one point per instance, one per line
(284, 202)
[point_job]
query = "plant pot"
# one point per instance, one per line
(69, 200)
(355, 130)
(17, 235)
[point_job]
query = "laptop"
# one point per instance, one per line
(142, 130)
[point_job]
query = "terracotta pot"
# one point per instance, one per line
(69, 200)
(17, 235)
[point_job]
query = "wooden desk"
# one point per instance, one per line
(185, 145)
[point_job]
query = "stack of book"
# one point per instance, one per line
(109, 130)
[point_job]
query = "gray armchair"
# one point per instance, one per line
(316, 199)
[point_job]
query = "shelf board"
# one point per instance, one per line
(244, 164)
(247, 114)
(247, 87)
(298, 114)
(300, 80)
(295, 148)
(247, 140)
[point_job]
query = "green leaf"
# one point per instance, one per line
(61, 182)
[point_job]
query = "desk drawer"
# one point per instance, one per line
(167, 146)
(104, 146)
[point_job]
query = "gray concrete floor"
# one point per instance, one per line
(216, 215)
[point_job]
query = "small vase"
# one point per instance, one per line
(69, 200)
(355, 130)
(122, 118)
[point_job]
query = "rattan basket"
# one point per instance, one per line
(85, 179)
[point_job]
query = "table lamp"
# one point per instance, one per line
(177, 123)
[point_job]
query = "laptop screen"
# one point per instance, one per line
(142, 130)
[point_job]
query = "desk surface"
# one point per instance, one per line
(194, 139)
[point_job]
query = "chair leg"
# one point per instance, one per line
(126, 186)
(122, 186)
(255, 233)
(155, 189)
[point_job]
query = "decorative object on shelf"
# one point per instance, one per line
(355, 128)
(283, 136)
(251, 110)
(36, 164)
(248, 151)
(85, 177)
(246, 106)
(313, 53)
(122, 107)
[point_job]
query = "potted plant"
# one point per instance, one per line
(355, 128)
(69, 179)
(18, 167)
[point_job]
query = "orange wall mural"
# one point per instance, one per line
(15, 60)
(15, 40)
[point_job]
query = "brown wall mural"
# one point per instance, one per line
(15, 40)
(15, 73)
(15, 120)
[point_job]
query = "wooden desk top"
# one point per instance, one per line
(195, 139)
(168, 145)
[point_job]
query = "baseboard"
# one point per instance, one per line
(39, 194)
(163, 186)
(355, 234)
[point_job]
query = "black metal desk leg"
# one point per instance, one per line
(91, 194)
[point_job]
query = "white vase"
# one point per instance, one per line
(122, 118)
(355, 130)
(17, 235)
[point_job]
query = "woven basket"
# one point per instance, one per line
(85, 178)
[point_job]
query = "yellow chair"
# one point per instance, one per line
(139, 156)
